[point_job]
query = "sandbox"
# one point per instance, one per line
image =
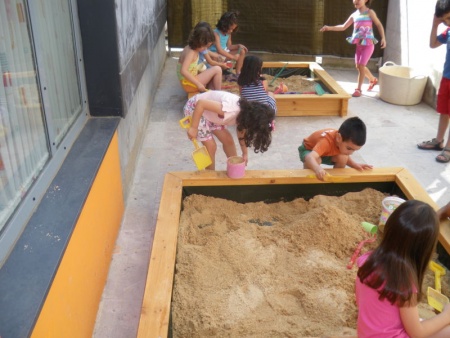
(333, 103)
(255, 186)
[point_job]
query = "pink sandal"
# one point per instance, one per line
(372, 83)
(357, 93)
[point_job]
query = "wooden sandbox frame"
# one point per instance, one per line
(156, 305)
(334, 104)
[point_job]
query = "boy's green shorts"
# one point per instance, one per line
(302, 151)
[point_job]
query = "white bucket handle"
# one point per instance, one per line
(389, 63)
(419, 77)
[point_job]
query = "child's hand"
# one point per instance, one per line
(242, 47)
(383, 43)
(362, 166)
(245, 157)
(192, 133)
(324, 29)
(320, 174)
(201, 88)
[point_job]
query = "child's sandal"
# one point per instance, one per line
(356, 93)
(372, 83)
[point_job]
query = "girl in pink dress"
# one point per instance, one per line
(390, 279)
(363, 38)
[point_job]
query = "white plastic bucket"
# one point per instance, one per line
(388, 205)
(401, 85)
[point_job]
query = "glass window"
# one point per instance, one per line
(40, 92)
(23, 142)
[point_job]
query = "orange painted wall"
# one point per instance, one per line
(71, 305)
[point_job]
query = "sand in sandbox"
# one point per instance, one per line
(295, 83)
(271, 270)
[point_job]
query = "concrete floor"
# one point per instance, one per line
(393, 132)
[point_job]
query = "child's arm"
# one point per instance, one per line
(444, 212)
(312, 161)
(222, 51)
(235, 47)
(338, 28)
(240, 135)
(434, 42)
(265, 85)
(213, 62)
(379, 25)
(358, 166)
(414, 327)
(188, 59)
(200, 107)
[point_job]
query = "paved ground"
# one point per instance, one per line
(393, 132)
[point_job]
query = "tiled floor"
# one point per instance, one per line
(393, 132)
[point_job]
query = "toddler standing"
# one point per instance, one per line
(363, 38)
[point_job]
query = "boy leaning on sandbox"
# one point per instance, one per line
(334, 147)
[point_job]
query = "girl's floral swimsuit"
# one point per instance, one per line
(362, 30)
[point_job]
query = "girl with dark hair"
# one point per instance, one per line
(252, 86)
(200, 38)
(364, 39)
(226, 25)
(390, 278)
(212, 111)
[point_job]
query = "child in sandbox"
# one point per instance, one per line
(334, 147)
(226, 25)
(212, 111)
(200, 38)
(208, 58)
(252, 86)
(390, 278)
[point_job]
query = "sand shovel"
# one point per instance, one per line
(434, 296)
(200, 154)
(319, 90)
(331, 178)
(358, 250)
(278, 74)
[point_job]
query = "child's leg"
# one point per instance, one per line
(211, 78)
(211, 146)
(361, 75)
(225, 137)
(369, 74)
(240, 62)
(362, 57)
(443, 108)
(442, 128)
(340, 161)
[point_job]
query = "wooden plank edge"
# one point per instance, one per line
(155, 310)
(416, 191)
(294, 176)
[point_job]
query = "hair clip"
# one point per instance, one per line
(272, 125)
